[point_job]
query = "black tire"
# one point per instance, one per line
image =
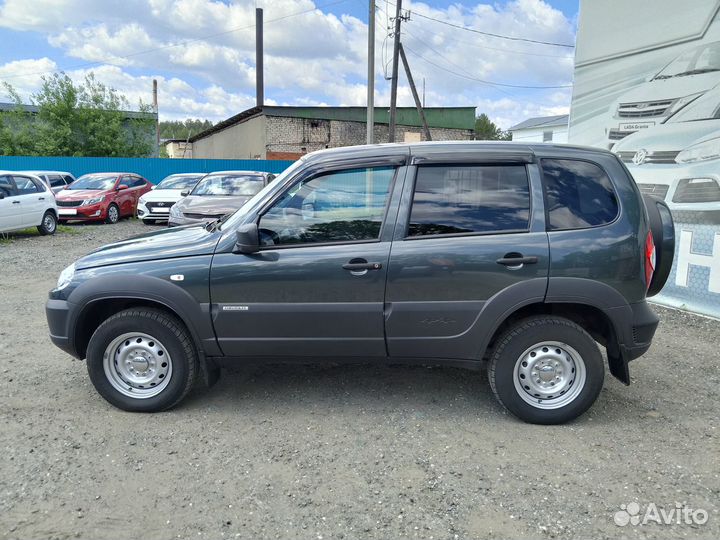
(504, 370)
(148, 221)
(49, 224)
(112, 217)
(168, 331)
(662, 228)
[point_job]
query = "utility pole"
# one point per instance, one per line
(157, 117)
(259, 77)
(371, 73)
(418, 105)
(394, 82)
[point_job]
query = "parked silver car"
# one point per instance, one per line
(216, 195)
(55, 180)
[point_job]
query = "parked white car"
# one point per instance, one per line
(679, 161)
(155, 205)
(25, 201)
(55, 180)
(678, 84)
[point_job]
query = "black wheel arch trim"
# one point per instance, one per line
(149, 288)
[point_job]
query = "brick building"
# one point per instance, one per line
(271, 132)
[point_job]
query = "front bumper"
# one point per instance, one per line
(82, 213)
(671, 175)
(143, 212)
(58, 313)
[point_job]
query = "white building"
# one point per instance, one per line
(542, 129)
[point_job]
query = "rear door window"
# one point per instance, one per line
(465, 199)
(578, 194)
(25, 185)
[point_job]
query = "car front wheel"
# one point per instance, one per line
(546, 370)
(142, 360)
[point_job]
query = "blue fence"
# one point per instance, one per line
(154, 169)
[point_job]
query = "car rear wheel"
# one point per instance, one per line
(546, 370)
(113, 214)
(142, 360)
(48, 225)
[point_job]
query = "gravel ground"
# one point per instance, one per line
(340, 452)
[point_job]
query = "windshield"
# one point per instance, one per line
(693, 62)
(706, 107)
(179, 181)
(99, 182)
(228, 185)
(262, 195)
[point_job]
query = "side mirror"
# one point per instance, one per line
(247, 239)
(2, 195)
(121, 187)
(185, 193)
(153, 187)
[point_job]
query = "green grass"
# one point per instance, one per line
(7, 238)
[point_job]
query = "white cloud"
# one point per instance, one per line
(203, 52)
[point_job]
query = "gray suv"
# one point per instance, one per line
(517, 258)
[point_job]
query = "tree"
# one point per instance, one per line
(87, 119)
(486, 130)
(182, 129)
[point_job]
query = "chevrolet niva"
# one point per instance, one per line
(520, 258)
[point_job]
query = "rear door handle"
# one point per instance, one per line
(41, 198)
(512, 259)
(16, 202)
(359, 266)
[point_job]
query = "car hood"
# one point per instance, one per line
(163, 195)
(75, 194)
(162, 244)
(669, 137)
(211, 205)
(673, 88)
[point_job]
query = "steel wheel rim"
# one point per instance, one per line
(49, 223)
(113, 214)
(137, 365)
(549, 375)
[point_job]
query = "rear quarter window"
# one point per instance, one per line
(578, 194)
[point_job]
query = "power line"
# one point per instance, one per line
(170, 46)
(500, 36)
(490, 83)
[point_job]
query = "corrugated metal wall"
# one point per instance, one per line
(154, 169)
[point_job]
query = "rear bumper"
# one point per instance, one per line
(58, 313)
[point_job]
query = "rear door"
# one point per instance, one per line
(468, 234)
(317, 286)
(33, 197)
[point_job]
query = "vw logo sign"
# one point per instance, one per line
(640, 156)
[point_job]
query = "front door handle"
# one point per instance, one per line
(516, 260)
(359, 266)
(41, 198)
(16, 202)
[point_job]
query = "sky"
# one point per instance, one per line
(202, 52)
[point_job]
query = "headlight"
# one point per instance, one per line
(680, 103)
(703, 151)
(175, 211)
(66, 277)
(94, 200)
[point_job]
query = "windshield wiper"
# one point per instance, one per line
(211, 226)
(696, 72)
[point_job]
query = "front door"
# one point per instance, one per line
(469, 234)
(317, 286)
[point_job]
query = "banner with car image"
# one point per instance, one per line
(647, 87)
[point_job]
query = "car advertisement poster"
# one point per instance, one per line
(647, 87)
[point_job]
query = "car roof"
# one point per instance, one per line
(47, 172)
(256, 173)
(430, 149)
